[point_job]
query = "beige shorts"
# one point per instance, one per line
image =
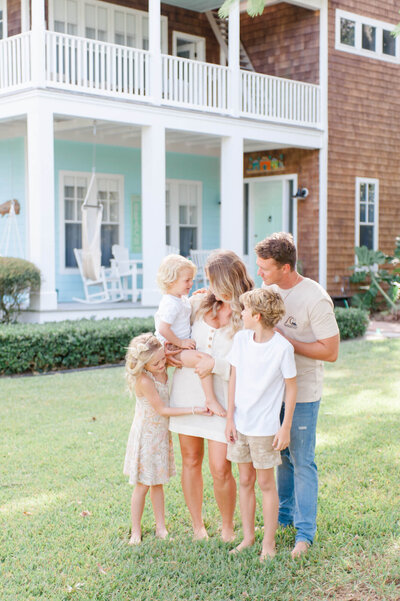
(257, 450)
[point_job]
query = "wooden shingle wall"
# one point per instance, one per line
(14, 17)
(364, 133)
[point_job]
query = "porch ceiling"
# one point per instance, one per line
(200, 6)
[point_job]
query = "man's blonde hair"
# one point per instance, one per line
(267, 303)
(169, 270)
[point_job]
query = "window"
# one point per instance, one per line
(366, 37)
(367, 212)
(188, 46)
(105, 22)
(73, 192)
(3, 19)
(183, 215)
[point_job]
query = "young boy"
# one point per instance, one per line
(263, 375)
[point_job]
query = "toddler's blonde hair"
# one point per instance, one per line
(169, 270)
(267, 303)
(140, 351)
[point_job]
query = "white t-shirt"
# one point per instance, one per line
(261, 370)
(174, 310)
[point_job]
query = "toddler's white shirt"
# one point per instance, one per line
(261, 369)
(174, 310)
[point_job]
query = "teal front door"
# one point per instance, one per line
(265, 215)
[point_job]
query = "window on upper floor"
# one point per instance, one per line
(367, 212)
(3, 19)
(366, 37)
(104, 22)
(73, 192)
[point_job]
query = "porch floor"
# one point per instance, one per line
(76, 310)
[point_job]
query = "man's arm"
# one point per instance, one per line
(326, 349)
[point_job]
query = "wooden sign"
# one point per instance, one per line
(257, 164)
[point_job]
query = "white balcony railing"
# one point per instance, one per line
(278, 99)
(89, 65)
(194, 84)
(15, 63)
(81, 64)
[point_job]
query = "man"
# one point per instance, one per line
(309, 324)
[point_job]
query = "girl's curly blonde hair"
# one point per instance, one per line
(140, 351)
(268, 304)
(228, 278)
(169, 270)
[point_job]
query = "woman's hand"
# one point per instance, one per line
(205, 366)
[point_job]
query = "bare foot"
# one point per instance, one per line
(243, 545)
(268, 552)
(300, 549)
(200, 534)
(228, 534)
(136, 539)
(215, 407)
(162, 533)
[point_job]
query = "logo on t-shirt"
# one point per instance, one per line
(291, 322)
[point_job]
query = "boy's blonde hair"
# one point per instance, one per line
(267, 303)
(169, 270)
(140, 351)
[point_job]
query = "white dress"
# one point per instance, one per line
(186, 388)
(149, 455)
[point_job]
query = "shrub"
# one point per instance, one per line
(352, 322)
(67, 344)
(17, 277)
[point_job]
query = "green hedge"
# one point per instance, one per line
(352, 322)
(67, 344)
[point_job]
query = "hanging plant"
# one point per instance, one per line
(254, 8)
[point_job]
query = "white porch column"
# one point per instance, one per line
(25, 16)
(153, 209)
(38, 43)
(323, 153)
(234, 59)
(155, 49)
(41, 209)
(232, 219)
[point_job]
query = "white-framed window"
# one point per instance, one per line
(104, 22)
(367, 212)
(190, 46)
(183, 215)
(3, 19)
(367, 37)
(73, 188)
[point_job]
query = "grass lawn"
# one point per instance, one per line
(64, 503)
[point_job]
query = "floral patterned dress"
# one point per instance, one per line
(149, 455)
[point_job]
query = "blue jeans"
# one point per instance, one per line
(297, 477)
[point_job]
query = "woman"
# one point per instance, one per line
(216, 317)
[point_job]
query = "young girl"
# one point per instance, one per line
(172, 320)
(149, 459)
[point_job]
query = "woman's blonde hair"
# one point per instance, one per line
(169, 270)
(269, 305)
(228, 278)
(140, 351)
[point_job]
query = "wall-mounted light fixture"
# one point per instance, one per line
(301, 193)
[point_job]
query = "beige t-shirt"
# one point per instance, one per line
(309, 317)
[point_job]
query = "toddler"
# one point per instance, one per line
(172, 320)
(149, 459)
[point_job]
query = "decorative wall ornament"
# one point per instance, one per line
(256, 164)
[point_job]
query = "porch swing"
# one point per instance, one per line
(100, 284)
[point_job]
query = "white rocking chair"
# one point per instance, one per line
(107, 288)
(199, 258)
(128, 271)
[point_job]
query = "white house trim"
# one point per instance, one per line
(3, 7)
(232, 216)
(323, 152)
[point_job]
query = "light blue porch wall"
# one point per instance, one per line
(12, 185)
(76, 156)
(207, 171)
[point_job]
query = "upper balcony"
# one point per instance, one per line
(50, 59)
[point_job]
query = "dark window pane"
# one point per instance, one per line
(368, 37)
(371, 192)
(388, 43)
(187, 240)
(362, 213)
(367, 236)
(363, 192)
(109, 236)
(347, 32)
(371, 212)
(73, 239)
(168, 235)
